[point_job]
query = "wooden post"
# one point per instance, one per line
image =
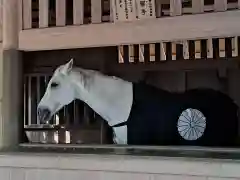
(197, 6)
(10, 73)
(175, 7)
(220, 5)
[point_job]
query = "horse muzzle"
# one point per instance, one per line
(43, 115)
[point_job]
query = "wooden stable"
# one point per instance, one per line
(192, 43)
(174, 44)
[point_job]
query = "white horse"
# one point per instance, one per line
(110, 97)
(142, 114)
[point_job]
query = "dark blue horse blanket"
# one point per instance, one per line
(155, 112)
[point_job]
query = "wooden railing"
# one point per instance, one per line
(48, 13)
(212, 48)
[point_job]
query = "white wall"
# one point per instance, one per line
(93, 167)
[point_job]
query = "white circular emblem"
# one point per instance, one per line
(191, 124)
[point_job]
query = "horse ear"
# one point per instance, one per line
(67, 67)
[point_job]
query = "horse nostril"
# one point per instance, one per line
(43, 114)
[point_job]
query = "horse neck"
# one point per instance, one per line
(108, 96)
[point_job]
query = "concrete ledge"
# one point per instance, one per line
(123, 164)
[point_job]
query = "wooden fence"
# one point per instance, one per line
(191, 49)
(48, 13)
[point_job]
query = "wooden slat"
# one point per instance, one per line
(220, 5)
(20, 15)
(235, 42)
(111, 11)
(43, 13)
(163, 51)
(78, 12)
(198, 6)
(96, 11)
(27, 14)
(60, 12)
(185, 50)
(158, 8)
(210, 48)
(238, 4)
(175, 7)
(202, 26)
(141, 53)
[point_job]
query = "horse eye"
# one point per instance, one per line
(54, 85)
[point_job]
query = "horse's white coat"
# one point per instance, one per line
(109, 96)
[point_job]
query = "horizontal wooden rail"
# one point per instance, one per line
(202, 26)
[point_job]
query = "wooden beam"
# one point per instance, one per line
(202, 26)
(27, 14)
(78, 12)
(96, 11)
(178, 65)
(175, 7)
(197, 6)
(220, 5)
(43, 13)
(60, 12)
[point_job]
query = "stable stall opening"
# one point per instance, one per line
(173, 66)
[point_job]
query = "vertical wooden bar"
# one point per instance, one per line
(235, 46)
(96, 11)
(238, 4)
(174, 51)
(38, 94)
(163, 51)
(197, 6)
(220, 5)
(158, 8)
(120, 54)
(78, 12)
(210, 48)
(175, 7)
(20, 15)
(141, 53)
(25, 99)
(60, 12)
(185, 50)
(111, 10)
(197, 51)
(27, 14)
(43, 13)
(222, 50)
(152, 52)
(29, 100)
(131, 53)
